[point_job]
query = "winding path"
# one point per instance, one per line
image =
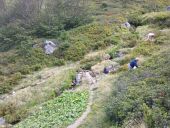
(80, 120)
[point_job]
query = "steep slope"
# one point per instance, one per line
(106, 31)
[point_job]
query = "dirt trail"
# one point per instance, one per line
(79, 121)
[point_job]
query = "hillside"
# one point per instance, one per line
(35, 87)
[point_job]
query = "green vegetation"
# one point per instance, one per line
(143, 93)
(29, 23)
(157, 18)
(84, 39)
(59, 112)
(15, 111)
(80, 27)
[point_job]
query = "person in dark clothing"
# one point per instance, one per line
(133, 64)
(106, 70)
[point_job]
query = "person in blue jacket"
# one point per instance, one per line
(133, 64)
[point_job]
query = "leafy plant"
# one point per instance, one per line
(59, 112)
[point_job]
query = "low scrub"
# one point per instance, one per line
(86, 64)
(66, 81)
(142, 93)
(85, 39)
(145, 48)
(159, 18)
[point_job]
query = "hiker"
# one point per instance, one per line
(108, 69)
(150, 37)
(127, 25)
(133, 64)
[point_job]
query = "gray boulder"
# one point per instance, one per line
(49, 47)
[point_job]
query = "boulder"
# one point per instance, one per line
(49, 47)
(98, 68)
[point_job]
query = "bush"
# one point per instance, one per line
(104, 5)
(36, 67)
(13, 114)
(5, 87)
(135, 20)
(142, 94)
(75, 52)
(25, 69)
(159, 18)
(59, 62)
(67, 80)
(161, 40)
(125, 60)
(44, 30)
(86, 64)
(145, 48)
(130, 40)
(112, 52)
(12, 36)
(112, 40)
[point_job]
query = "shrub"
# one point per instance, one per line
(25, 69)
(59, 62)
(135, 20)
(15, 77)
(112, 52)
(130, 40)
(104, 5)
(75, 52)
(145, 48)
(86, 64)
(36, 67)
(12, 36)
(67, 81)
(111, 40)
(142, 94)
(44, 30)
(161, 40)
(125, 60)
(159, 18)
(5, 87)
(13, 114)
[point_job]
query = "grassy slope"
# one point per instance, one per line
(103, 16)
(98, 118)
